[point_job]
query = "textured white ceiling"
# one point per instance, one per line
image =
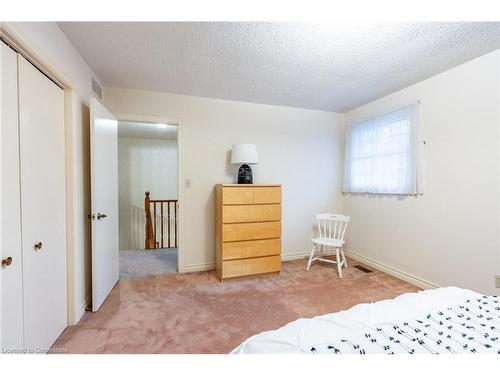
(146, 130)
(310, 65)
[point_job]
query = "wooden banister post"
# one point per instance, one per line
(149, 241)
(152, 221)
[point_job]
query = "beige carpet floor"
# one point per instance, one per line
(195, 313)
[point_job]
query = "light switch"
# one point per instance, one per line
(187, 182)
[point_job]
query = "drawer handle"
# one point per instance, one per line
(7, 261)
(38, 246)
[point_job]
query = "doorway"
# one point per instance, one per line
(148, 198)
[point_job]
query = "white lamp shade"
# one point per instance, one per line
(244, 153)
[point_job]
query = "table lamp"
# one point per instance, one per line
(245, 154)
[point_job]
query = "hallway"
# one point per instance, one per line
(140, 263)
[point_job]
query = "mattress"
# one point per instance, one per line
(443, 320)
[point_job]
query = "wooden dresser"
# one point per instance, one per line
(248, 229)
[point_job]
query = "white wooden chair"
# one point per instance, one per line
(331, 234)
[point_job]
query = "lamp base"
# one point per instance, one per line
(245, 175)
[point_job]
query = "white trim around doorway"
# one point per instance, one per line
(180, 177)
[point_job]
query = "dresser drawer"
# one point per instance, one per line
(237, 195)
(249, 249)
(246, 214)
(264, 195)
(251, 231)
(253, 266)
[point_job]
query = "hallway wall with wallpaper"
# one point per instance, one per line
(143, 165)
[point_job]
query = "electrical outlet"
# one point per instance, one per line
(187, 182)
(497, 281)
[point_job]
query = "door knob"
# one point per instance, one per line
(38, 246)
(7, 261)
(99, 216)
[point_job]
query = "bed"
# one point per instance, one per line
(444, 320)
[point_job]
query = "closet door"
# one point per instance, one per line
(43, 207)
(10, 233)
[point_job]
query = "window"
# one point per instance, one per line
(382, 154)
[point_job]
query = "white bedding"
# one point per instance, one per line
(430, 321)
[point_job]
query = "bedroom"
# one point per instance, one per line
(390, 128)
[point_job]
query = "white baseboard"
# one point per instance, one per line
(211, 266)
(287, 257)
(197, 267)
(351, 254)
(391, 271)
(305, 255)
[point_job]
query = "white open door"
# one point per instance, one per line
(104, 190)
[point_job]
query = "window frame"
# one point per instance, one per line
(416, 152)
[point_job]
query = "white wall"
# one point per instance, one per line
(301, 149)
(448, 236)
(144, 164)
(51, 43)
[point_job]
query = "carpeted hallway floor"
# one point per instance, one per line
(140, 263)
(195, 313)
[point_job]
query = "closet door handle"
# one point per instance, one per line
(7, 261)
(38, 246)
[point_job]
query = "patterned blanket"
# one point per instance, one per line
(472, 327)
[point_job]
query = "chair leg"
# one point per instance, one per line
(310, 257)
(344, 260)
(339, 262)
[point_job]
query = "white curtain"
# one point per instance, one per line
(382, 154)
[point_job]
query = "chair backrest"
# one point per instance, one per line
(332, 226)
